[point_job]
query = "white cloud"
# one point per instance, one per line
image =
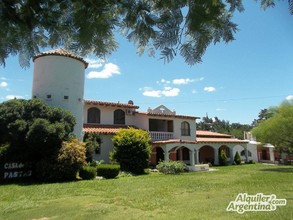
(152, 93)
(94, 64)
(289, 98)
(193, 91)
(167, 92)
(108, 71)
(163, 81)
(220, 109)
(3, 84)
(182, 81)
(209, 89)
(8, 97)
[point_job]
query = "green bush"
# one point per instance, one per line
(237, 158)
(70, 159)
(223, 158)
(171, 167)
(108, 171)
(93, 142)
(88, 172)
(132, 150)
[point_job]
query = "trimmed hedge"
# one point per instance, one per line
(171, 167)
(88, 172)
(108, 171)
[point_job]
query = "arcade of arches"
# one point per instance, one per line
(194, 153)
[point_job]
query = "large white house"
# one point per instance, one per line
(59, 81)
(174, 137)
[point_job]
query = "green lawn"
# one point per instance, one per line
(200, 195)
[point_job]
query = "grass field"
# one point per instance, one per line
(199, 195)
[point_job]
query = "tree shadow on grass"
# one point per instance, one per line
(280, 169)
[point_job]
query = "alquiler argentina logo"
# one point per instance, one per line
(253, 203)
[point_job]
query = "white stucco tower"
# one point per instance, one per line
(59, 81)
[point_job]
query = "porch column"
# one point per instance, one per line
(180, 154)
(196, 156)
(246, 154)
(191, 156)
(272, 157)
(216, 156)
(231, 156)
(166, 155)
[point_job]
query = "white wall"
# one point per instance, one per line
(60, 76)
(105, 148)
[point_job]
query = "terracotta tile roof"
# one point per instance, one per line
(201, 133)
(113, 104)
(220, 140)
(61, 52)
(103, 129)
(214, 137)
(170, 141)
(169, 115)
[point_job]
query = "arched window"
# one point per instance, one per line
(119, 117)
(185, 129)
(93, 115)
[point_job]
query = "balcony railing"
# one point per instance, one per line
(160, 135)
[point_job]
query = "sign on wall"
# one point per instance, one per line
(15, 170)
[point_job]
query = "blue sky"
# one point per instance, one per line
(234, 81)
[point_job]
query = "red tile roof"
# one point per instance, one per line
(214, 137)
(103, 129)
(220, 140)
(170, 141)
(61, 52)
(201, 133)
(113, 104)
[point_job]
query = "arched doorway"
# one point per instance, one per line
(225, 149)
(182, 154)
(206, 154)
(159, 154)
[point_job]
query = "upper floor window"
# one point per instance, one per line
(185, 129)
(119, 117)
(93, 115)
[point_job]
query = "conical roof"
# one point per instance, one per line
(61, 52)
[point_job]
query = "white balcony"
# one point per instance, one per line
(160, 135)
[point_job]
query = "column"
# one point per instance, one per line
(166, 155)
(246, 154)
(196, 156)
(191, 156)
(216, 156)
(231, 156)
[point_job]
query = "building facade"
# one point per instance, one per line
(59, 81)
(173, 136)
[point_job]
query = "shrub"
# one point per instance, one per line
(237, 158)
(88, 172)
(108, 171)
(70, 159)
(171, 167)
(223, 158)
(132, 150)
(95, 163)
(93, 142)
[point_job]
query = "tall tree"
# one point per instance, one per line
(222, 126)
(185, 27)
(31, 130)
(277, 130)
(263, 115)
